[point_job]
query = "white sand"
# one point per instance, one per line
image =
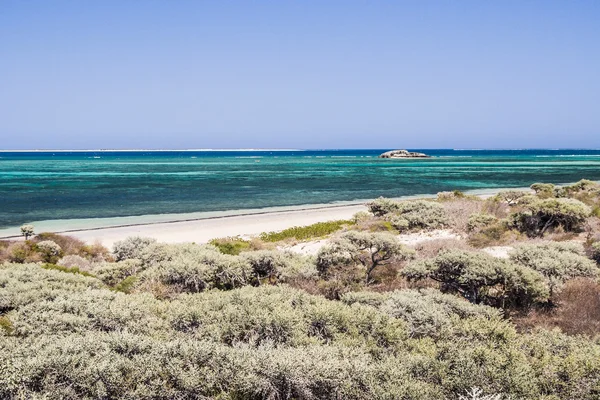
(409, 239)
(203, 230)
(498, 251)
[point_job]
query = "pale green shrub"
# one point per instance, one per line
(49, 250)
(478, 221)
(131, 247)
(556, 261)
(113, 273)
(543, 190)
(539, 216)
(426, 312)
(369, 250)
(423, 214)
(511, 197)
(583, 185)
(361, 216)
(481, 278)
(278, 266)
(382, 206)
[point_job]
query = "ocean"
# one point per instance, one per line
(42, 186)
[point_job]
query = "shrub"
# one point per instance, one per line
(21, 252)
(479, 221)
(360, 217)
(370, 250)
(557, 262)
(382, 206)
(541, 215)
(132, 247)
(583, 185)
(49, 250)
(543, 190)
(423, 214)
(481, 278)
(313, 231)
(427, 312)
(231, 245)
(275, 265)
(194, 268)
(511, 197)
(114, 273)
(495, 234)
(27, 230)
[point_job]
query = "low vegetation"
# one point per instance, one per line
(314, 231)
(366, 317)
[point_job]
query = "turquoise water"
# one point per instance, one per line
(36, 186)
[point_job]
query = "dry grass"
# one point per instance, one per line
(578, 311)
(460, 209)
(431, 248)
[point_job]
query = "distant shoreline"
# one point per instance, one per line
(202, 229)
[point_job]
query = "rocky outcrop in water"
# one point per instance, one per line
(403, 154)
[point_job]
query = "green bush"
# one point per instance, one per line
(318, 230)
(557, 262)
(479, 221)
(49, 251)
(69, 338)
(382, 206)
(72, 270)
(511, 197)
(277, 266)
(231, 245)
(481, 278)
(539, 216)
(427, 312)
(543, 190)
(132, 247)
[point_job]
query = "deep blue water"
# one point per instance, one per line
(38, 186)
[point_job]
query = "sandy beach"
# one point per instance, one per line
(203, 230)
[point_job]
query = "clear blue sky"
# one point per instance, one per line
(299, 74)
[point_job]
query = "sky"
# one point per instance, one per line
(299, 74)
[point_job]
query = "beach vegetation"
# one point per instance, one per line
(231, 245)
(481, 278)
(132, 247)
(68, 270)
(557, 262)
(302, 233)
(543, 190)
(49, 250)
(480, 220)
(537, 217)
(365, 249)
(511, 197)
(27, 230)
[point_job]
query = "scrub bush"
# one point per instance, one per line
(132, 247)
(481, 278)
(49, 251)
(539, 216)
(369, 250)
(479, 221)
(557, 262)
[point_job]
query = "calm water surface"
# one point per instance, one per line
(38, 186)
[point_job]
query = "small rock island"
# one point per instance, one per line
(403, 154)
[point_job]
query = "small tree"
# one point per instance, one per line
(382, 206)
(27, 230)
(481, 278)
(539, 216)
(369, 250)
(511, 197)
(49, 250)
